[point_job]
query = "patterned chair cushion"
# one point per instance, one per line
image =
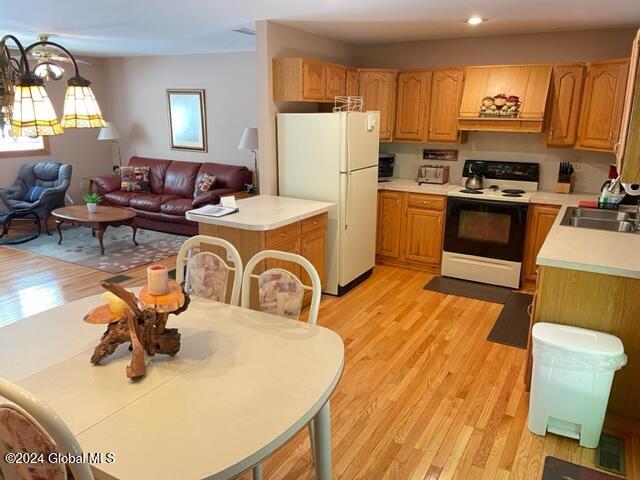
(18, 433)
(207, 276)
(280, 293)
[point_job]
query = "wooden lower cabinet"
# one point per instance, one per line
(389, 223)
(410, 229)
(539, 223)
(423, 236)
(307, 238)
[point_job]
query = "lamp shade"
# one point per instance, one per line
(109, 132)
(249, 139)
(32, 114)
(81, 109)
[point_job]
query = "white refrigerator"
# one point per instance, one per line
(333, 157)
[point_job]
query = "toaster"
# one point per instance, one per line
(433, 174)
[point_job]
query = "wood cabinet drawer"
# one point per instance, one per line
(313, 223)
(432, 202)
(282, 234)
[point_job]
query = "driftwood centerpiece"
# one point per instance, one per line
(143, 325)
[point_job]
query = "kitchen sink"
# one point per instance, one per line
(609, 220)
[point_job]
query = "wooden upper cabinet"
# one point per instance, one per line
(602, 105)
(389, 223)
(335, 80)
(378, 91)
(564, 105)
(446, 94)
(297, 79)
(351, 82)
(313, 79)
(528, 82)
(628, 152)
(413, 94)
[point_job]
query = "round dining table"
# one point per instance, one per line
(241, 386)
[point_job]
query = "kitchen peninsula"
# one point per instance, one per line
(268, 222)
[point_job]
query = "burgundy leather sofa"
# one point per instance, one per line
(172, 187)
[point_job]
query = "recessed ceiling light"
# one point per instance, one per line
(475, 20)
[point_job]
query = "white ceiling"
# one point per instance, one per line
(137, 27)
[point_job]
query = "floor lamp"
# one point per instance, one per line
(110, 132)
(249, 141)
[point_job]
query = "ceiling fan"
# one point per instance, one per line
(47, 57)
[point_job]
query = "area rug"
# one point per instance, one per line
(512, 325)
(465, 288)
(556, 469)
(120, 254)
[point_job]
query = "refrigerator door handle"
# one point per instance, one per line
(346, 201)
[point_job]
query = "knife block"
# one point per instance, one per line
(564, 187)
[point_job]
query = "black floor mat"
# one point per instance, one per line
(512, 326)
(556, 469)
(465, 288)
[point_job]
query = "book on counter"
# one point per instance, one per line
(215, 211)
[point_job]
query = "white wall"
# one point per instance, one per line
(137, 91)
(78, 147)
(516, 147)
(275, 40)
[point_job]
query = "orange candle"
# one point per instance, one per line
(157, 280)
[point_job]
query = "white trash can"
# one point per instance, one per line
(572, 373)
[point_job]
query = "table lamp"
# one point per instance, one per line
(110, 132)
(249, 141)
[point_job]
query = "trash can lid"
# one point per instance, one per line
(577, 339)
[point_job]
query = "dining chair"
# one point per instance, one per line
(281, 293)
(207, 274)
(29, 425)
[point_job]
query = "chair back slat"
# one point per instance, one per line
(208, 270)
(285, 295)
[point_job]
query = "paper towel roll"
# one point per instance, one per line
(632, 189)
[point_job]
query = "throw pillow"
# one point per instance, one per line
(34, 193)
(205, 184)
(135, 179)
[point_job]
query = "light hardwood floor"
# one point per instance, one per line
(423, 395)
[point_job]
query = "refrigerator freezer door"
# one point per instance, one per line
(357, 231)
(362, 143)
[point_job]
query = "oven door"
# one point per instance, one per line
(485, 228)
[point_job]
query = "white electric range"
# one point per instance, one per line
(485, 229)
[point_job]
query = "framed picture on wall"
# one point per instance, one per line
(187, 119)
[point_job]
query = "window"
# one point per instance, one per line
(22, 146)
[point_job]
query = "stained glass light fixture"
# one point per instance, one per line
(32, 113)
(81, 110)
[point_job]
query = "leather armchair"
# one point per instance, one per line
(54, 177)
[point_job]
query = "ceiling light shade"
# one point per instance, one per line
(32, 114)
(475, 20)
(249, 139)
(49, 71)
(81, 110)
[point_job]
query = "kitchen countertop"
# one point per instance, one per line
(597, 251)
(553, 198)
(407, 185)
(265, 212)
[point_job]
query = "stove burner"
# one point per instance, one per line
(511, 194)
(474, 192)
(513, 191)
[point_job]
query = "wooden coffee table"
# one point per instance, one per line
(102, 218)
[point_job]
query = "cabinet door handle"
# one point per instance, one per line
(530, 309)
(398, 202)
(283, 234)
